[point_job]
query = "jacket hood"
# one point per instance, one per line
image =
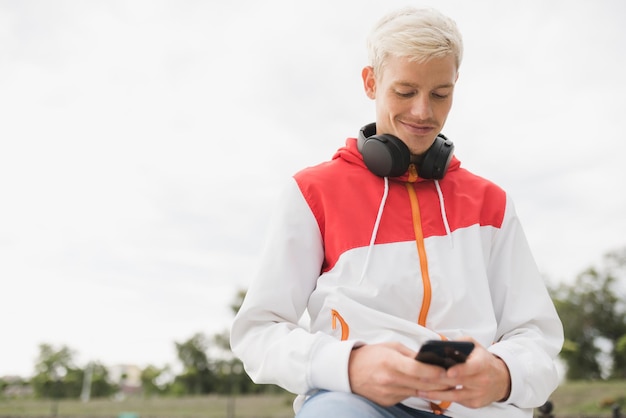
(350, 153)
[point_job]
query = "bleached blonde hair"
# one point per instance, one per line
(418, 34)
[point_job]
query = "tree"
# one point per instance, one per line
(151, 380)
(616, 268)
(238, 301)
(101, 385)
(230, 371)
(225, 374)
(54, 372)
(197, 376)
(619, 361)
(592, 310)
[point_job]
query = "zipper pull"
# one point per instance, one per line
(345, 329)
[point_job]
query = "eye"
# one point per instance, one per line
(440, 95)
(405, 94)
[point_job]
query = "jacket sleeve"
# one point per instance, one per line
(266, 334)
(530, 333)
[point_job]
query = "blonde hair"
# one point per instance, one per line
(419, 34)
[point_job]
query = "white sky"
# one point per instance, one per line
(142, 144)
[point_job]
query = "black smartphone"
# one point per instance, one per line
(444, 353)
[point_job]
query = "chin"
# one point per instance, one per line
(421, 147)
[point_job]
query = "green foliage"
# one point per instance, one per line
(591, 309)
(192, 353)
(54, 362)
(619, 359)
(232, 379)
(56, 377)
(222, 341)
(238, 301)
(151, 382)
(197, 377)
(101, 385)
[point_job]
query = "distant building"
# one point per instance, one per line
(128, 377)
(16, 387)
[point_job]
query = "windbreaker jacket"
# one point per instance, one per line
(352, 259)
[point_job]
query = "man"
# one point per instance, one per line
(391, 244)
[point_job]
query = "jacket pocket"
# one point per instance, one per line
(345, 329)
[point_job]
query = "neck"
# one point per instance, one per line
(417, 159)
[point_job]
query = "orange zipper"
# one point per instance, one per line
(438, 409)
(421, 249)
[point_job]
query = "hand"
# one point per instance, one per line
(480, 381)
(388, 373)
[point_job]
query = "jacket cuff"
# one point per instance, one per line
(516, 379)
(328, 368)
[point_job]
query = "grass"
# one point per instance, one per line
(575, 399)
(589, 398)
(260, 406)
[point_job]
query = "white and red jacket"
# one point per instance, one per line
(372, 260)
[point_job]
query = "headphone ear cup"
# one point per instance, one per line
(436, 159)
(385, 155)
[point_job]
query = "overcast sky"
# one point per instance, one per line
(142, 145)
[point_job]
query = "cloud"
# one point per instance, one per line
(143, 145)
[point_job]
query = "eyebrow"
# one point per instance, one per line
(413, 85)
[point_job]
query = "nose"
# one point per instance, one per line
(422, 107)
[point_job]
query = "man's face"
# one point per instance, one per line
(412, 99)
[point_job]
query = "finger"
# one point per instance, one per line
(454, 394)
(404, 350)
(461, 395)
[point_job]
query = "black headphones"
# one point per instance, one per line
(387, 156)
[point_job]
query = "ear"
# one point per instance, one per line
(369, 82)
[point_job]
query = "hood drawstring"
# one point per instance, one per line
(375, 231)
(442, 207)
